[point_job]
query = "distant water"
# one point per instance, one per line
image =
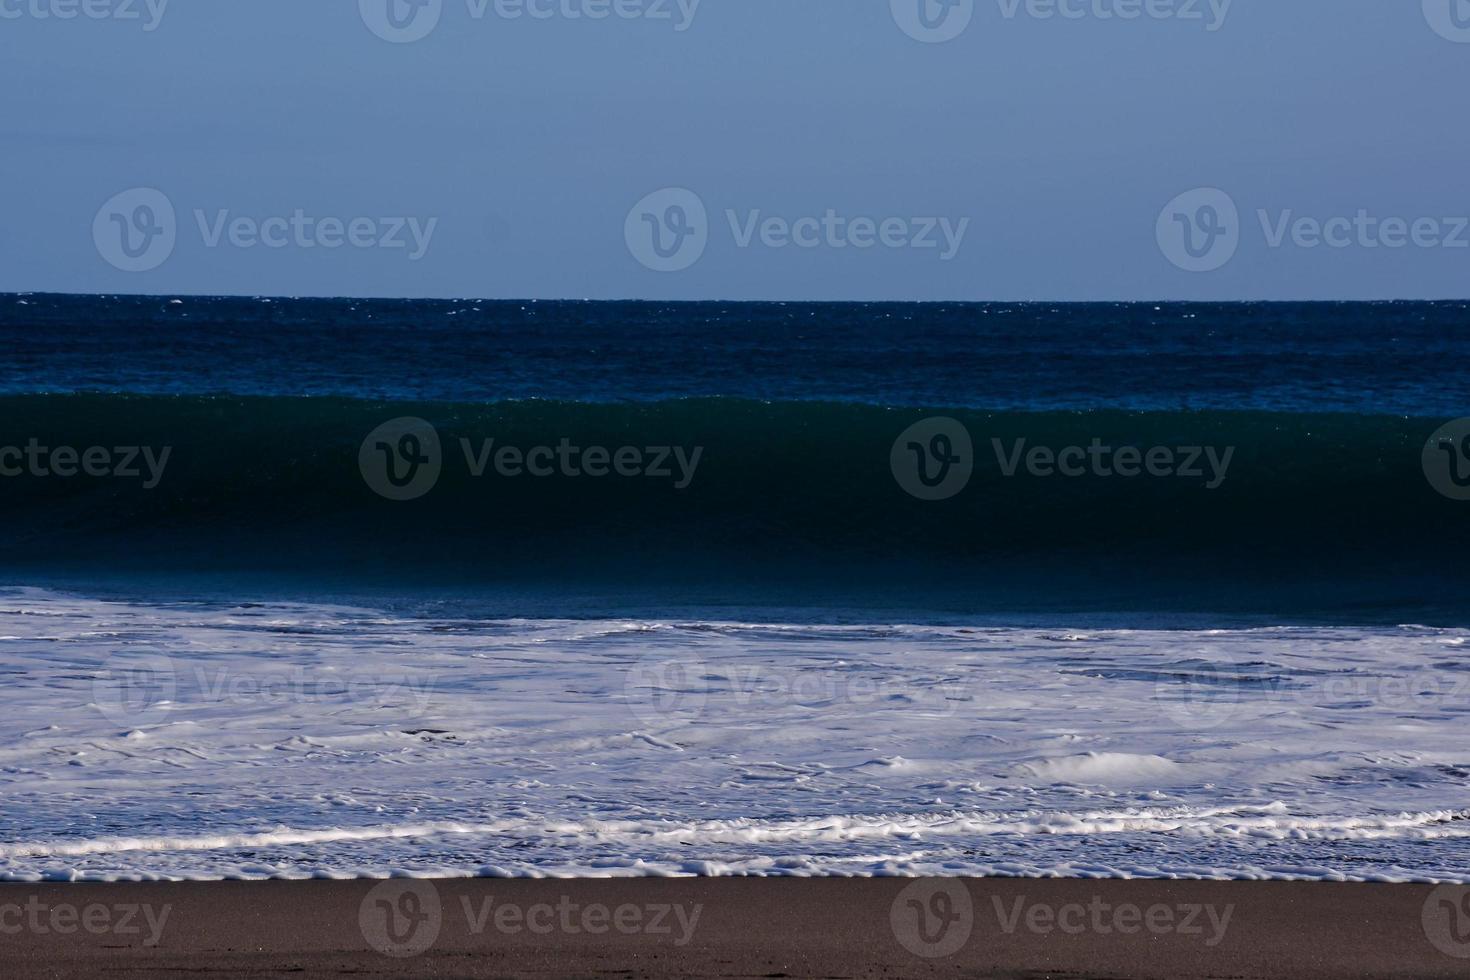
(1364, 358)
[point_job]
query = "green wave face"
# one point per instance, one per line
(1241, 510)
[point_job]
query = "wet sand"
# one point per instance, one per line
(769, 927)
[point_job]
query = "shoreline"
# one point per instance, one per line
(728, 927)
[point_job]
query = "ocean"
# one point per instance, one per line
(338, 588)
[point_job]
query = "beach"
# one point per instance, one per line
(731, 927)
(868, 664)
(659, 489)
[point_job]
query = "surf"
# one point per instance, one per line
(1326, 511)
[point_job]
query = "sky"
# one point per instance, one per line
(738, 149)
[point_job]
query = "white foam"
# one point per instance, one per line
(1104, 768)
(193, 741)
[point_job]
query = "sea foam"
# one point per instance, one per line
(207, 740)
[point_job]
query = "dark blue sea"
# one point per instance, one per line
(801, 416)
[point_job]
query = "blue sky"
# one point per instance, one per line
(781, 149)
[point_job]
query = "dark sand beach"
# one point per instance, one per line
(740, 927)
